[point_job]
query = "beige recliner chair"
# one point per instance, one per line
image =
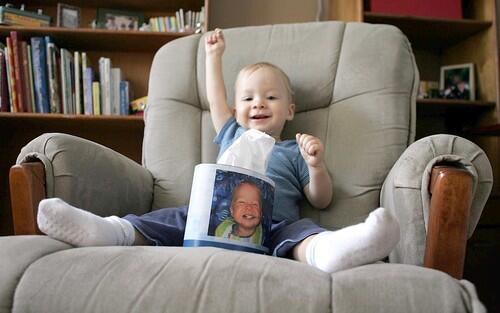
(355, 88)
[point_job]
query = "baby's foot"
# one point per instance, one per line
(363, 243)
(63, 222)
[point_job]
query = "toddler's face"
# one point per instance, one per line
(245, 207)
(263, 102)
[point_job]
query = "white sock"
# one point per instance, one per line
(363, 243)
(63, 222)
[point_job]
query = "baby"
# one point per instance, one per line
(246, 215)
(263, 101)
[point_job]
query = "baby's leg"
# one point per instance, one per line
(63, 222)
(363, 243)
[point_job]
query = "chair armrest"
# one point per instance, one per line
(86, 175)
(29, 177)
(406, 194)
(451, 197)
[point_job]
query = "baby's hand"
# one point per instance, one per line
(311, 148)
(215, 43)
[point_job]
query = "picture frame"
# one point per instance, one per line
(68, 16)
(458, 82)
(119, 19)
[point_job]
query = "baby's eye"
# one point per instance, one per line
(247, 99)
(272, 98)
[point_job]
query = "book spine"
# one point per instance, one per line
(4, 86)
(66, 81)
(32, 88)
(105, 78)
(52, 75)
(26, 77)
(39, 55)
(96, 94)
(19, 85)
(124, 97)
(13, 87)
(116, 77)
(87, 89)
(78, 79)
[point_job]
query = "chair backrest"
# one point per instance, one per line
(355, 88)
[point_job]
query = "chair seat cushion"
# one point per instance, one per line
(176, 279)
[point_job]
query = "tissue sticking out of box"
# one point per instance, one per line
(251, 151)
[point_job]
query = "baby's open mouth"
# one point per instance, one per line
(248, 216)
(259, 117)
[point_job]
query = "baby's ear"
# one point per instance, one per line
(291, 111)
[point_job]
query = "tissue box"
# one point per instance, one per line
(447, 9)
(230, 207)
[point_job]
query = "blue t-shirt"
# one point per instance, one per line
(286, 167)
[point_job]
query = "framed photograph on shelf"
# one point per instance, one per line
(119, 19)
(458, 82)
(68, 16)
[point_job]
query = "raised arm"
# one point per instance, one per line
(319, 190)
(216, 91)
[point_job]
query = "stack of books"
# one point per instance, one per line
(37, 76)
(181, 22)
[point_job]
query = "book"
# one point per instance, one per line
(4, 86)
(26, 87)
(96, 95)
(86, 84)
(54, 96)
(31, 85)
(116, 77)
(40, 80)
(11, 77)
(89, 106)
(66, 66)
(17, 70)
(77, 69)
(12, 16)
(105, 81)
(124, 97)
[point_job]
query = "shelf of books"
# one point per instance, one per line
(96, 64)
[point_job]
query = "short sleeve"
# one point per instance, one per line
(228, 134)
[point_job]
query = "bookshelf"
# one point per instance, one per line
(132, 51)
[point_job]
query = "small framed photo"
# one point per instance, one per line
(458, 82)
(119, 19)
(68, 16)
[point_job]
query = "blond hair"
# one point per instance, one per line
(249, 69)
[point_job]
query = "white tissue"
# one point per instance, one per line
(251, 151)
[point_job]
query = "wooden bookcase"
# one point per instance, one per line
(132, 51)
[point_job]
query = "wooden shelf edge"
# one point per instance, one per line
(451, 103)
(418, 19)
(58, 116)
(78, 31)
(432, 33)
(100, 39)
(488, 130)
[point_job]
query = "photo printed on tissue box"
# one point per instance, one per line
(231, 202)
(230, 207)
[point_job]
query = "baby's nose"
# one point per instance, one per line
(258, 104)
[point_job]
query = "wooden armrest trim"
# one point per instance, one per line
(451, 197)
(27, 189)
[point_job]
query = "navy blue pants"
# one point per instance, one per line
(165, 227)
